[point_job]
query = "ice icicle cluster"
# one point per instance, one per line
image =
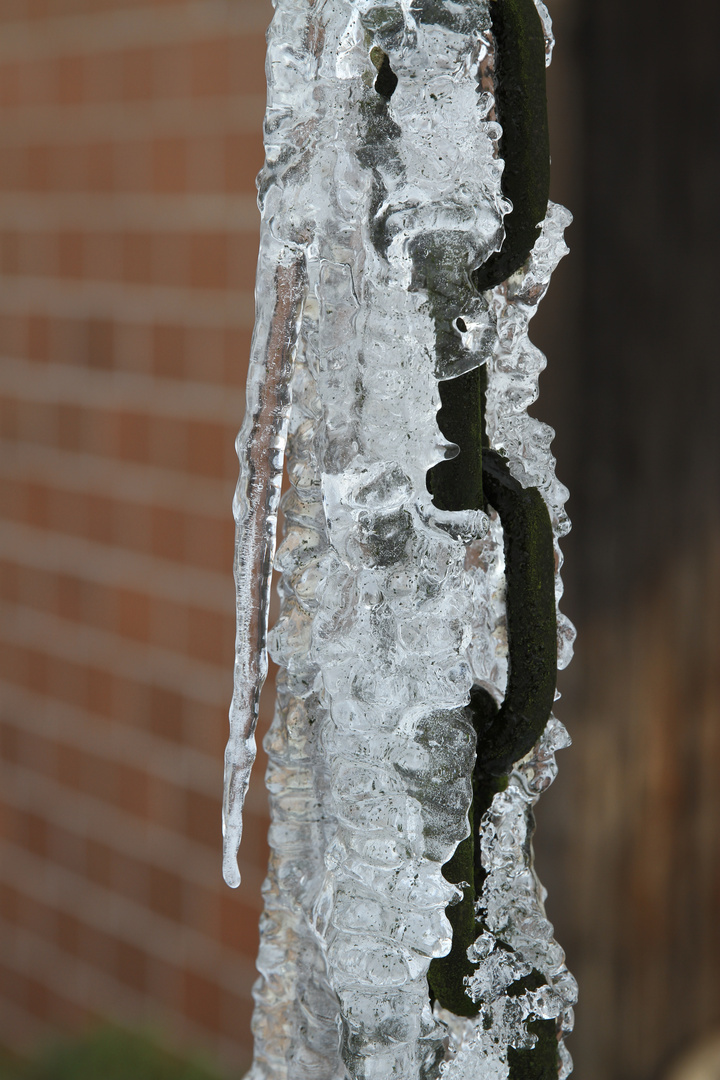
(517, 939)
(382, 163)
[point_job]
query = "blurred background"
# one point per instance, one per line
(130, 136)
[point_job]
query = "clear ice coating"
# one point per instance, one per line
(390, 608)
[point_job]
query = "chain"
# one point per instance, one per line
(479, 478)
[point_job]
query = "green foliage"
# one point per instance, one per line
(108, 1053)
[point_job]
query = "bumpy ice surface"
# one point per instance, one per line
(391, 610)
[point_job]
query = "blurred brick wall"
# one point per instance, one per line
(129, 143)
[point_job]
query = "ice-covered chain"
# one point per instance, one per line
(406, 241)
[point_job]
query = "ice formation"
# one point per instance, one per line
(383, 180)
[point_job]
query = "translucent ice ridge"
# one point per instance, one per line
(381, 163)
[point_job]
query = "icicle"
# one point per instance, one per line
(261, 450)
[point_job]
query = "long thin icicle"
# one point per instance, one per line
(261, 450)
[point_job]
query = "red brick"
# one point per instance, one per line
(167, 443)
(132, 789)
(209, 261)
(131, 966)
(168, 533)
(11, 499)
(210, 636)
(202, 1001)
(13, 663)
(104, 76)
(97, 947)
(247, 64)
(171, 259)
(103, 256)
(37, 168)
(70, 80)
(9, 822)
(98, 522)
(238, 924)
(133, 165)
(242, 259)
(67, 932)
(210, 67)
(67, 681)
(67, 340)
(9, 742)
(202, 818)
(204, 354)
(169, 165)
(37, 998)
(37, 503)
(100, 166)
(131, 525)
(68, 512)
(236, 355)
(99, 697)
(9, 251)
(165, 713)
(69, 168)
(133, 436)
(208, 449)
(8, 903)
(209, 541)
(70, 254)
(8, 583)
(13, 334)
(169, 351)
(205, 164)
(37, 82)
(243, 160)
(38, 337)
(9, 85)
(99, 863)
(138, 74)
(206, 726)
(165, 893)
(13, 166)
(137, 258)
(170, 625)
(36, 422)
(71, 766)
(38, 255)
(133, 346)
(35, 587)
(115, 159)
(132, 614)
(33, 833)
(37, 672)
(70, 598)
(71, 434)
(103, 435)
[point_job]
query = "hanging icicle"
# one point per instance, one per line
(406, 241)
